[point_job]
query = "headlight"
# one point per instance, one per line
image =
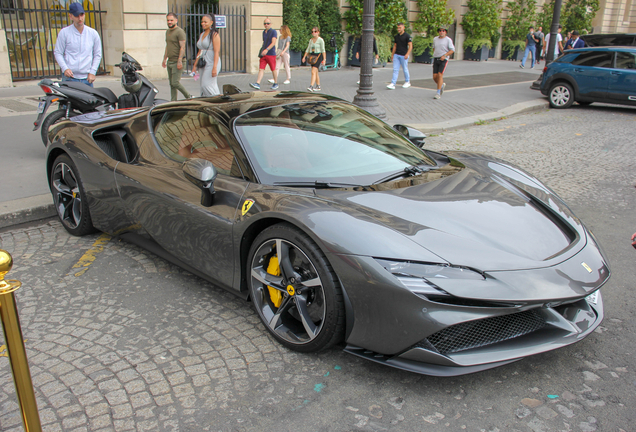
(420, 278)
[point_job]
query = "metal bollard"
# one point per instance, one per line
(15, 347)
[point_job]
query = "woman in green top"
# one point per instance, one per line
(316, 47)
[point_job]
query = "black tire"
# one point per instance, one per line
(50, 120)
(561, 95)
(308, 315)
(338, 66)
(69, 197)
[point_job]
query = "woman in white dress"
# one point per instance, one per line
(209, 45)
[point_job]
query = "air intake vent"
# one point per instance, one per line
(475, 334)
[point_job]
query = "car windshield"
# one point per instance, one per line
(330, 143)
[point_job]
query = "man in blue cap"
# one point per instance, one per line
(78, 49)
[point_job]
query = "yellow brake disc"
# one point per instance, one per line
(273, 268)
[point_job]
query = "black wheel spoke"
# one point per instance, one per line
(308, 324)
(311, 283)
(62, 188)
(265, 278)
(276, 321)
(282, 251)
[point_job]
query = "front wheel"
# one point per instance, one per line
(321, 68)
(561, 95)
(53, 118)
(69, 197)
(338, 66)
(294, 290)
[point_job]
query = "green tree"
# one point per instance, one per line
(330, 21)
(387, 14)
(300, 16)
(522, 14)
(433, 14)
(544, 18)
(481, 22)
(578, 15)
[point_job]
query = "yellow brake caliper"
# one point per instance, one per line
(273, 268)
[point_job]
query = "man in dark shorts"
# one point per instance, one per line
(268, 55)
(443, 48)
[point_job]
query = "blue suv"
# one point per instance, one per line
(586, 75)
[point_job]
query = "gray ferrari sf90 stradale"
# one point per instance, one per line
(337, 227)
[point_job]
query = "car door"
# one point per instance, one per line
(167, 205)
(622, 82)
(591, 70)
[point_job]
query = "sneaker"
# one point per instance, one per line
(531, 67)
(310, 88)
(358, 82)
(391, 86)
(287, 82)
(521, 66)
(274, 86)
(317, 88)
(441, 91)
(257, 86)
(271, 81)
(406, 85)
(437, 96)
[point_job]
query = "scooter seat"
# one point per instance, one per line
(102, 92)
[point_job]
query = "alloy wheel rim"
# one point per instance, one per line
(560, 96)
(299, 316)
(66, 194)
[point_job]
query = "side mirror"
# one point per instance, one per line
(415, 136)
(202, 173)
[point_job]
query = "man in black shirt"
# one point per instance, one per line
(402, 47)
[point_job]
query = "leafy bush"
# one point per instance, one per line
(300, 16)
(387, 14)
(578, 15)
(330, 21)
(481, 22)
(522, 14)
(422, 44)
(433, 14)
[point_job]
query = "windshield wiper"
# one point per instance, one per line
(316, 184)
(408, 171)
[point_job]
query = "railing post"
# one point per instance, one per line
(15, 347)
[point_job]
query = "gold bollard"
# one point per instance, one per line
(15, 347)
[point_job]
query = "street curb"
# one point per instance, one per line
(519, 108)
(26, 210)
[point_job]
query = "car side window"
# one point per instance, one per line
(594, 59)
(626, 60)
(187, 134)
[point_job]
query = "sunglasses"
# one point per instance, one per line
(267, 23)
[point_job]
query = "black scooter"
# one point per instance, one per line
(75, 98)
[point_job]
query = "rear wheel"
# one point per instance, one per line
(69, 197)
(55, 117)
(294, 290)
(338, 66)
(561, 95)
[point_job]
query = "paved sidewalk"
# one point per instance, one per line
(25, 196)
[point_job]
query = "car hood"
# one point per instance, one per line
(488, 215)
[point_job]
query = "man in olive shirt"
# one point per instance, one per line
(173, 56)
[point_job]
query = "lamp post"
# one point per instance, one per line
(365, 97)
(554, 30)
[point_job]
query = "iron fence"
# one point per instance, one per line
(31, 28)
(233, 37)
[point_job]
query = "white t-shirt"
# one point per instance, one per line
(556, 46)
(442, 45)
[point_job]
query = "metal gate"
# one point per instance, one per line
(233, 38)
(32, 27)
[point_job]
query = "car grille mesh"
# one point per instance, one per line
(474, 334)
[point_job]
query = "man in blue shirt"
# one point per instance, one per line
(531, 47)
(574, 42)
(78, 49)
(267, 55)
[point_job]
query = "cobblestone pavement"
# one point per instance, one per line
(132, 343)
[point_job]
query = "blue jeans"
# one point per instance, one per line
(82, 80)
(533, 50)
(399, 60)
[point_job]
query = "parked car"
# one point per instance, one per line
(618, 39)
(338, 227)
(586, 75)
